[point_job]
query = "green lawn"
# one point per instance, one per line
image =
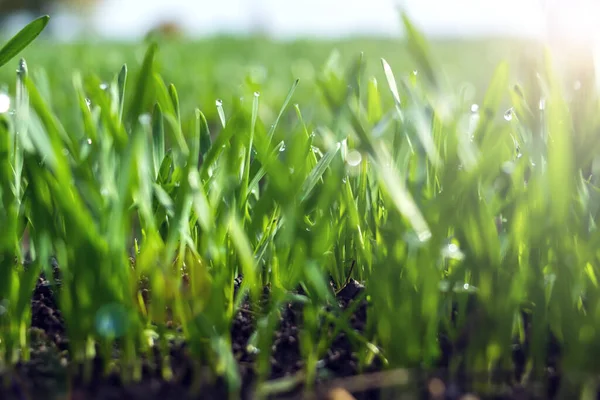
(408, 175)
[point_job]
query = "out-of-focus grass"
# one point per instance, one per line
(380, 166)
(217, 67)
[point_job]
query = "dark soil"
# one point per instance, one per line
(50, 375)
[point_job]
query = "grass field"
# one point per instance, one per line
(458, 209)
(222, 67)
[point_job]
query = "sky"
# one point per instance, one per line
(130, 18)
(572, 21)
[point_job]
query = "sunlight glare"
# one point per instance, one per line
(573, 22)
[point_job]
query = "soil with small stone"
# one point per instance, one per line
(50, 375)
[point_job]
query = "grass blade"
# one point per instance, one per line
(22, 39)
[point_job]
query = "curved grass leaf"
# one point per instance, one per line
(143, 85)
(22, 39)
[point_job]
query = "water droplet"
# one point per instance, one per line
(22, 70)
(256, 94)
(424, 235)
(194, 179)
(508, 115)
(474, 108)
(111, 321)
(145, 119)
(444, 286)
(65, 151)
(89, 141)
(453, 252)
(104, 86)
(282, 148)
(251, 349)
(292, 170)
(508, 167)
(354, 158)
(4, 102)
(219, 102)
(415, 72)
(542, 105)
(3, 307)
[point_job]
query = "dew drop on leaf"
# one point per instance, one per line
(145, 119)
(111, 321)
(354, 158)
(452, 251)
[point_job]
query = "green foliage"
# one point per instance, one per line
(413, 190)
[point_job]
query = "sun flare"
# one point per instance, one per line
(573, 22)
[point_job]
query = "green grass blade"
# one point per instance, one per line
(142, 87)
(22, 39)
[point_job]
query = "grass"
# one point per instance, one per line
(362, 170)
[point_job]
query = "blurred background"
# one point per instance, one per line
(132, 19)
(221, 48)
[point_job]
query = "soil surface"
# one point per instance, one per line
(50, 375)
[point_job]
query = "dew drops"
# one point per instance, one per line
(3, 307)
(104, 86)
(424, 235)
(508, 115)
(4, 102)
(89, 141)
(88, 102)
(508, 167)
(145, 119)
(542, 105)
(22, 69)
(474, 108)
(251, 349)
(65, 151)
(218, 102)
(111, 321)
(452, 251)
(282, 148)
(256, 94)
(194, 179)
(354, 158)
